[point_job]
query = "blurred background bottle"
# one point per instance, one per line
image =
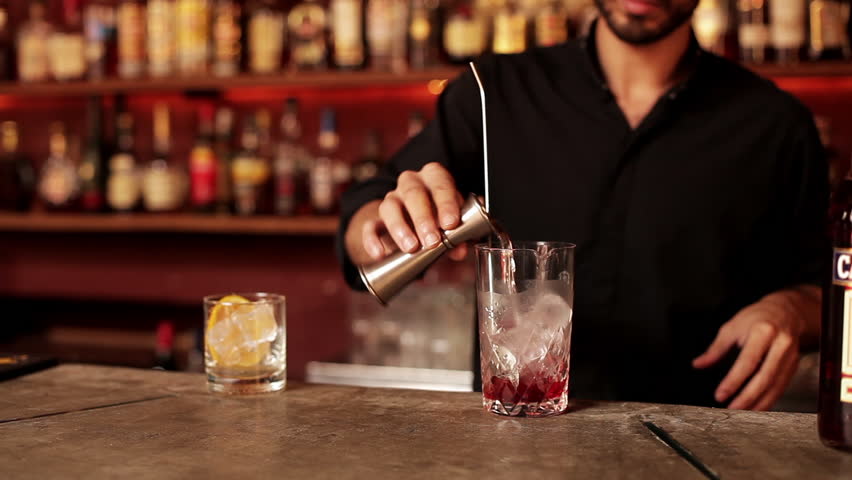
(267, 35)
(464, 33)
(829, 38)
(92, 169)
(250, 172)
(59, 185)
(17, 178)
(203, 165)
(787, 29)
(227, 37)
(33, 34)
(123, 184)
(192, 28)
(161, 37)
(291, 163)
(164, 184)
(224, 126)
(347, 32)
(308, 24)
(423, 34)
(131, 38)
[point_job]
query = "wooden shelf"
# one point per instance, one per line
(169, 223)
(804, 69)
(333, 79)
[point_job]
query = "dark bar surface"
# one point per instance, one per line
(120, 423)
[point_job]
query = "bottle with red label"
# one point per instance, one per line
(203, 164)
(835, 382)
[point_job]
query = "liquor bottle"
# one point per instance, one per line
(835, 380)
(224, 126)
(250, 172)
(307, 23)
(17, 179)
(383, 32)
(163, 184)
(371, 158)
(59, 184)
(416, 123)
(464, 34)
(192, 28)
(347, 33)
(164, 349)
(6, 42)
(33, 59)
(510, 29)
(753, 32)
(323, 183)
(787, 29)
(266, 37)
(551, 24)
(98, 25)
(131, 38)
(423, 34)
(91, 170)
(124, 183)
(711, 23)
(227, 37)
(66, 46)
(291, 163)
(161, 37)
(203, 164)
(828, 36)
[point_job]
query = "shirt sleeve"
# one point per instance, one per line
(452, 138)
(808, 187)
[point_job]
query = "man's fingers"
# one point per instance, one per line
(756, 345)
(395, 222)
(721, 344)
(444, 194)
(779, 386)
(418, 203)
(774, 363)
(371, 240)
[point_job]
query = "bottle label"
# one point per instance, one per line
(160, 37)
(266, 41)
(192, 26)
(203, 176)
(510, 33)
(843, 277)
(787, 23)
(130, 32)
(464, 37)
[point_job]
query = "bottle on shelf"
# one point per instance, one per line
(266, 37)
(787, 29)
(164, 349)
(161, 37)
(423, 34)
(98, 28)
(307, 23)
(551, 24)
(192, 29)
(371, 158)
(829, 38)
(753, 31)
(711, 23)
(326, 171)
(33, 59)
(510, 29)
(291, 162)
(203, 164)
(6, 42)
(131, 38)
(347, 33)
(464, 33)
(59, 185)
(250, 172)
(91, 170)
(386, 34)
(227, 37)
(124, 183)
(834, 413)
(224, 127)
(17, 178)
(66, 46)
(163, 184)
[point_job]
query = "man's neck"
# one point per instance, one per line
(633, 72)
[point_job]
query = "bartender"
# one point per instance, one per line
(694, 189)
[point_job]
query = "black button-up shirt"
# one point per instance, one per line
(716, 199)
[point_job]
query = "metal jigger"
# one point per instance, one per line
(387, 277)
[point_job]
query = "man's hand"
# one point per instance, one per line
(408, 216)
(769, 333)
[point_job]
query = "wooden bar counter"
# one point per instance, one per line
(79, 421)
